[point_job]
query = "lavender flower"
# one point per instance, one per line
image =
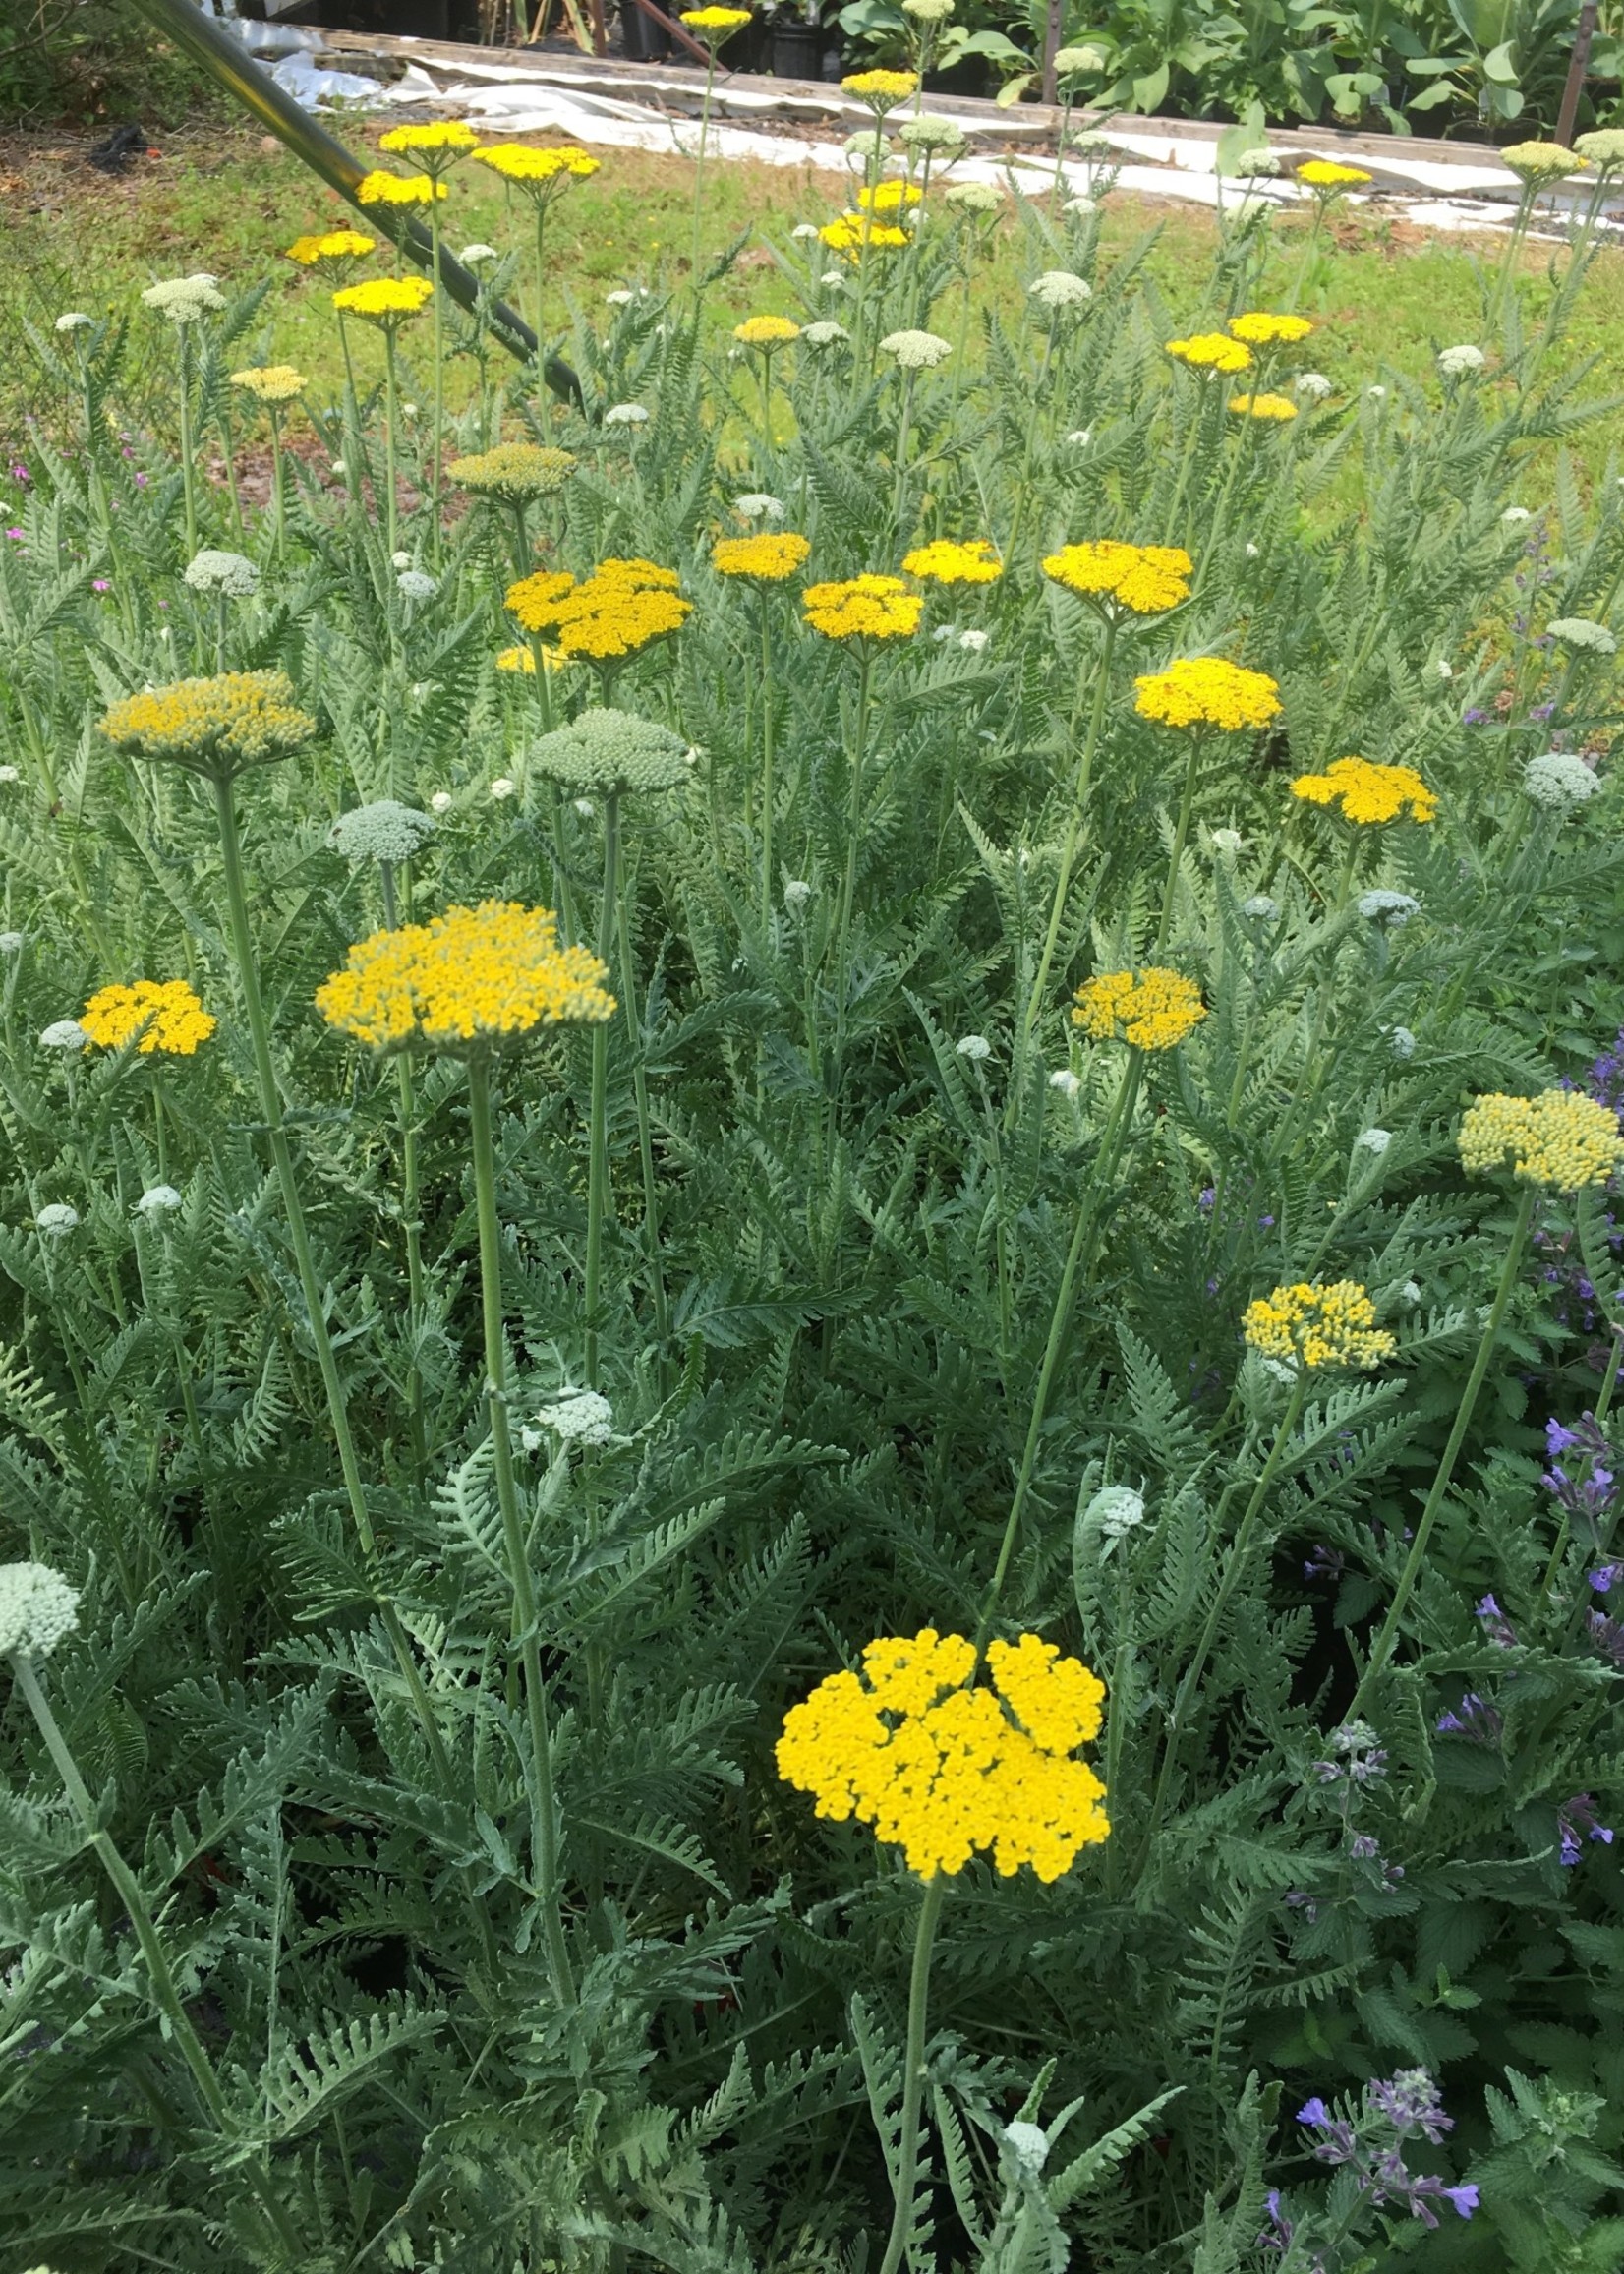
(1370, 2145)
(1472, 1717)
(1360, 1759)
(1579, 1816)
(1606, 1635)
(1496, 1628)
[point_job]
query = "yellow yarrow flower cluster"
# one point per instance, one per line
(1264, 406)
(1260, 327)
(945, 1770)
(767, 331)
(854, 234)
(618, 609)
(524, 660)
(1210, 351)
(1208, 692)
(889, 197)
(331, 245)
(441, 134)
(716, 20)
(513, 472)
(1327, 174)
(970, 560)
(385, 300)
(270, 382)
(879, 608)
(165, 1014)
(239, 719)
(1144, 579)
(882, 91)
(1153, 1008)
(1561, 1139)
(769, 556)
(494, 974)
(1367, 792)
(518, 163)
(384, 188)
(1315, 1325)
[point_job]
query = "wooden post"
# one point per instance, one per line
(1584, 33)
(1050, 48)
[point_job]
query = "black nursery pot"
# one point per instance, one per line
(798, 51)
(968, 77)
(642, 40)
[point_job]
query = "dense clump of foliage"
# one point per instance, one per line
(809, 1288)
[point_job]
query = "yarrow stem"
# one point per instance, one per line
(914, 2075)
(1073, 829)
(544, 1807)
(598, 1140)
(1383, 1648)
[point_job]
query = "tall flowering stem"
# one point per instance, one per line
(907, 2176)
(1073, 828)
(166, 1995)
(598, 1178)
(1381, 1650)
(544, 1804)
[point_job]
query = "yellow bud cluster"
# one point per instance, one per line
(494, 974)
(244, 718)
(889, 197)
(1144, 579)
(1210, 351)
(1208, 692)
(770, 557)
(945, 562)
(440, 133)
(331, 245)
(766, 331)
(1264, 406)
(385, 189)
(165, 1014)
(1367, 792)
(618, 609)
(882, 91)
(946, 1771)
(513, 472)
(385, 300)
(1560, 1139)
(1261, 329)
(1153, 1008)
(879, 608)
(1315, 1325)
(270, 382)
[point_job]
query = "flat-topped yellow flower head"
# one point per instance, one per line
(876, 608)
(769, 556)
(1312, 1324)
(618, 609)
(512, 473)
(1560, 1139)
(715, 26)
(270, 382)
(881, 90)
(889, 197)
(955, 560)
(1211, 351)
(385, 301)
(1154, 1009)
(164, 1014)
(214, 726)
(1208, 692)
(945, 1769)
(1264, 406)
(1369, 794)
(1143, 579)
(1260, 327)
(480, 977)
(766, 332)
(330, 245)
(542, 173)
(854, 234)
(1328, 174)
(440, 133)
(384, 188)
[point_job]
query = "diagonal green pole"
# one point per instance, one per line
(232, 68)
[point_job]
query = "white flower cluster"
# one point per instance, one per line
(925, 132)
(1060, 288)
(385, 830)
(415, 584)
(1577, 631)
(1262, 907)
(1391, 908)
(228, 573)
(974, 1047)
(1314, 385)
(975, 197)
(65, 1035)
(824, 333)
(916, 350)
(56, 1220)
(757, 505)
(1028, 2143)
(1560, 781)
(159, 1200)
(607, 750)
(185, 299)
(1115, 1509)
(1460, 362)
(37, 1607)
(579, 1418)
(1374, 1141)
(74, 320)
(626, 415)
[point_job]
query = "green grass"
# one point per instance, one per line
(1387, 294)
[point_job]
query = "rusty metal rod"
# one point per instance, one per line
(229, 62)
